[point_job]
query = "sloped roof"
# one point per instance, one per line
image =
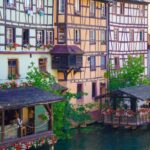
(141, 92)
(58, 87)
(26, 96)
(66, 49)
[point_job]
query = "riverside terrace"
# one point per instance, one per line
(128, 107)
(21, 116)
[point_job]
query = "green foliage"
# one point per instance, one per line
(63, 111)
(130, 74)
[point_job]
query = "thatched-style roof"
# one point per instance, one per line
(26, 96)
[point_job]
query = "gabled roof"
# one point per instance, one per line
(66, 49)
(26, 96)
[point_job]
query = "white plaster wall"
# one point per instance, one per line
(24, 62)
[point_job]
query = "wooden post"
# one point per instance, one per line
(3, 125)
(49, 109)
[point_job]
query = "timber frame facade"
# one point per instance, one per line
(26, 34)
(80, 27)
(128, 28)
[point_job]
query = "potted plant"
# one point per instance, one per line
(41, 12)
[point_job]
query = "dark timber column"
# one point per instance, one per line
(49, 109)
(114, 103)
(3, 125)
(133, 104)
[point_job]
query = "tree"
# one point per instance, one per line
(131, 74)
(63, 111)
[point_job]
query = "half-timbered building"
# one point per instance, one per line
(79, 54)
(128, 28)
(26, 34)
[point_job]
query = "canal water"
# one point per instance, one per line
(98, 137)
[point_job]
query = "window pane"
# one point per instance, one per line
(92, 63)
(61, 6)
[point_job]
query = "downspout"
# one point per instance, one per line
(107, 47)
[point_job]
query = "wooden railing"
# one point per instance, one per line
(25, 139)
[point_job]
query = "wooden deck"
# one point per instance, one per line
(126, 121)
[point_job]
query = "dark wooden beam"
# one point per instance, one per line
(49, 109)
(3, 125)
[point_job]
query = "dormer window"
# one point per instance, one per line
(28, 4)
(11, 3)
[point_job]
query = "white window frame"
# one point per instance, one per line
(77, 35)
(40, 4)
(92, 36)
(61, 6)
(49, 37)
(77, 6)
(92, 7)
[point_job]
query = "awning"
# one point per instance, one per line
(66, 49)
(26, 96)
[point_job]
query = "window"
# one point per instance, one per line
(79, 91)
(103, 36)
(11, 3)
(40, 4)
(131, 35)
(10, 35)
(77, 6)
(103, 61)
(116, 34)
(13, 69)
(141, 10)
(25, 37)
(114, 8)
(61, 35)
(40, 37)
(92, 36)
(49, 38)
(92, 63)
(28, 4)
(77, 36)
(92, 8)
(103, 10)
(43, 64)
(121, 8)
(117, 64)
(94, 90)
(102, 88)
(61, 8)
(141, 35)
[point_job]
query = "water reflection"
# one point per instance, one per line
(97, 137)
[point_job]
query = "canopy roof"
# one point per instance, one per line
(141, 92)
(26, 96)
(66, 49)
